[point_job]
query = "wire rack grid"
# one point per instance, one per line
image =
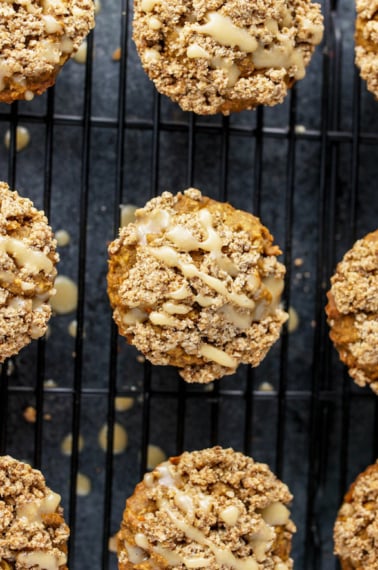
(103, 137)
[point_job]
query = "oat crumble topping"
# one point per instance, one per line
(210, 506)
(221, 56)
(355, 531)
(27, 272)
(36, 39)
(23, 535)
(352, 310)
(367, 42)
(196, 284)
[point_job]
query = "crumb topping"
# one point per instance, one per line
(196, 284)
(222, 56)
(36, 39)
(27, 260)
(352, 310)
(367, 42)
(32, 530)
(355, 283)
(214, 508)
(355, 531)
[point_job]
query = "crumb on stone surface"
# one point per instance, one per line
(116, 55)
(366, 38)
(355, 531)
(28, 258)
(353, 308)
(36, 39)
(202, 503)
(24, 533)
(225, 56)
(30, 414)
(210, 306)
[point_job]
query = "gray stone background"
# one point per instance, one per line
(308, 167)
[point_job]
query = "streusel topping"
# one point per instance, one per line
(353, 308)
(36, 38)
(356, 527)
(367, 42)
(224, 56)
(355, 283)
(214, 508)
(33, 533)
(27, 260)
(197, 284)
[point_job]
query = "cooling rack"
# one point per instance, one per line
(103, 137)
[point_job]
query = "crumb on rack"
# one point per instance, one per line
(30, 414)
(116, 55)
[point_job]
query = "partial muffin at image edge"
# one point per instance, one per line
(366, 40)
(226, 56)
(355, 530)
(36, 39)
(196, 284)
(33, 531)
(27, 261)
(352, 311)
(214, 508)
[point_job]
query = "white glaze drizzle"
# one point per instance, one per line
(261, 541)
(25, 256)
(183, 241)
(223, 30)
(41, 559)
(33, 510)
(223, 556)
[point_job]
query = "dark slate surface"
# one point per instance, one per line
(316, 225)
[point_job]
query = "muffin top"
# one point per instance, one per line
(27, 259)
(196, 284)
(356, 527)
(36, 38)
(222, 56)
(32, 530)
(367, 42)
(213, 508)
(353, 310)
(355, 283)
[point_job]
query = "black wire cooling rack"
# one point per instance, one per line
(103, 137)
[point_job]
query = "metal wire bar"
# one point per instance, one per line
(312, 548)
(369, 138)
(289, 198)
(79, 341)
(346, 393)
(112, 375)
(40, 372)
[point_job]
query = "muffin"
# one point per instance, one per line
(366, 39)
(355, 531)
(225, 56)
(352, 311)
(36, 38)
(27, 261)
(196, 284)
(214, 508)
(33, 531)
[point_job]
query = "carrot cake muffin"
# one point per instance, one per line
(221, 56)
(196, 284)
(212, 509)
(33, 533)
(36, 39)
(366, 38)
(27, 272)
(352, 311)
(355, 531)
